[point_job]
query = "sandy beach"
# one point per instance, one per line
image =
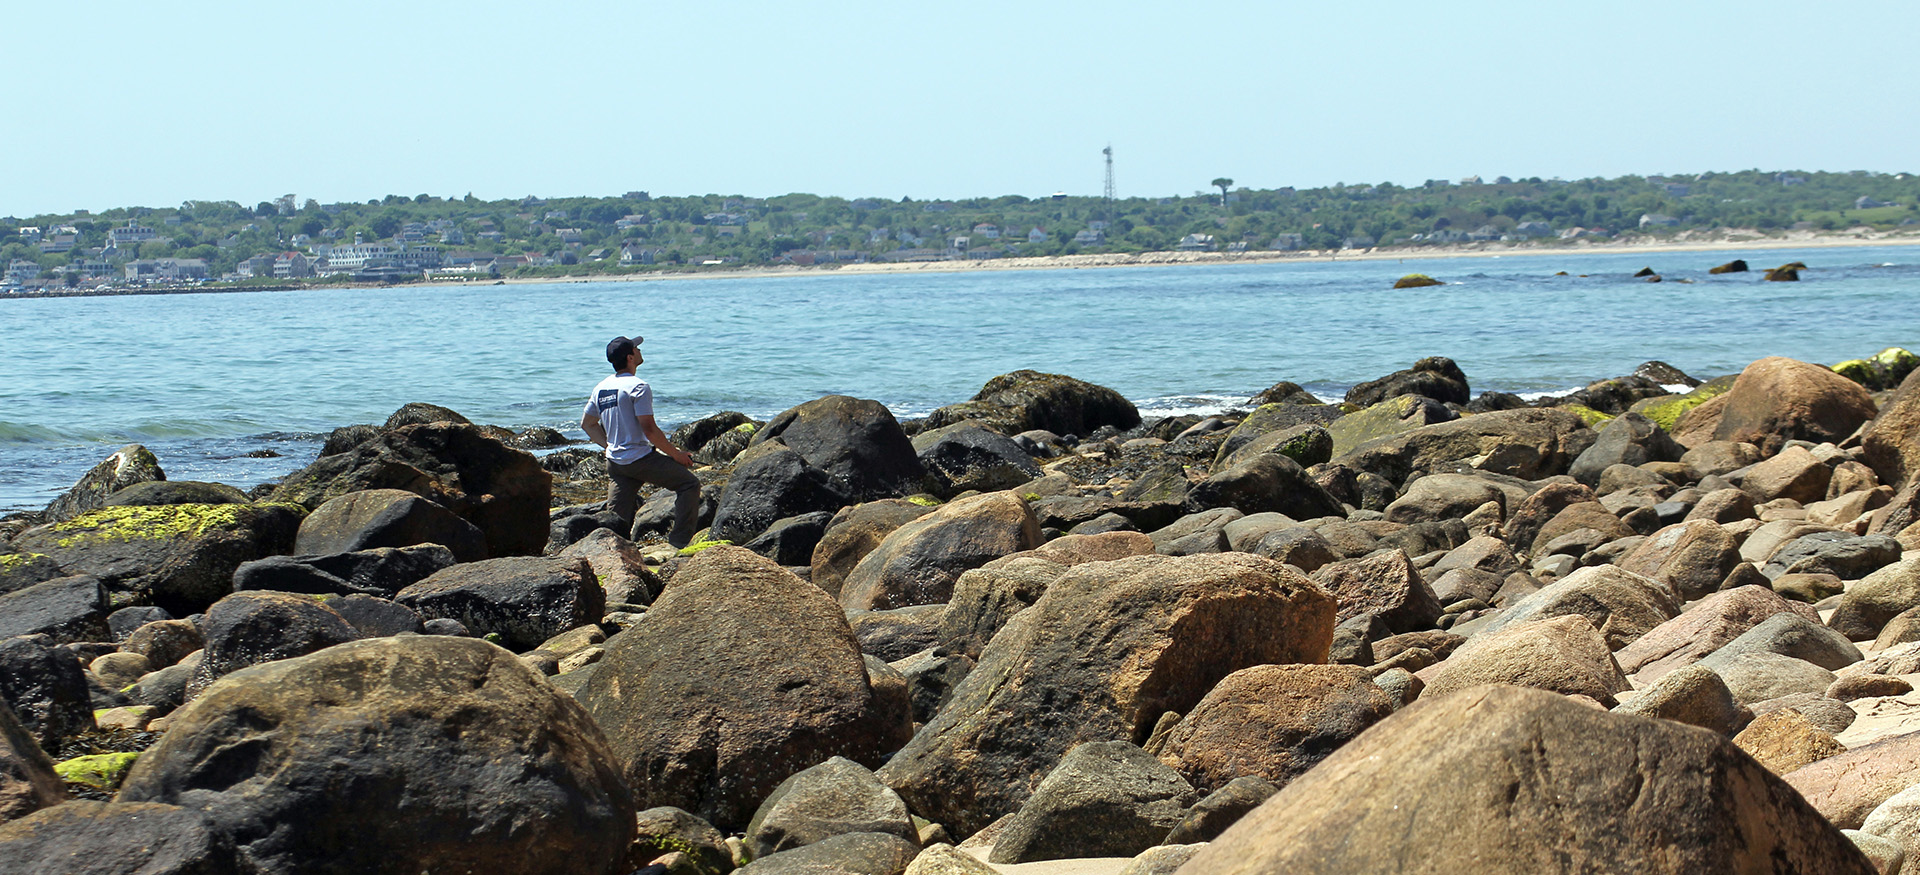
(1703, 242)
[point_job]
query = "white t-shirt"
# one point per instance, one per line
(619, 401)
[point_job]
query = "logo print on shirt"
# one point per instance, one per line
(605, 399)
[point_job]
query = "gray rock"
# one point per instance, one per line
(1627, 439)
(834, 798)
(525, 600)
(859, 853)
(1104, 799)
(43, 684)
(127, 466)
(1211, 816)
(65, 609)
(1848, 557)
(897, 634)
(381, 572)
(1693, 695)
(1759, 675)
(114, 838)
(1790, 634)
(249, 628)
(969, 456)
(1831, 715)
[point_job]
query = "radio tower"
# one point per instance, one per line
(1108, 151)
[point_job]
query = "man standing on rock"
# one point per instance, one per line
(619, 416)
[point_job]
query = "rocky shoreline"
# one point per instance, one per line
(1625, 630)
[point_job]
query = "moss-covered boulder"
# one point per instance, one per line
(21, 569)
(130, 464)
(1786, 273)
(1269, 418)
(1435, 377)
(100, 771)
(1393, 416)
(1737, 265)
(1416, 281)
(1285, 392)
(158, 492)
(1666, 410)
(502, 490)
(1529, 443)
(1026, 400)
(1883, 371)
(180, 557)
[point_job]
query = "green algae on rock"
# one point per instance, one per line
(180, 556)
(1666, 410)
(1416, 281)
(102, 771)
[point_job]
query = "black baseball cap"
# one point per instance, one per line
(620, 347)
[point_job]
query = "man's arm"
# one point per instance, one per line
(659, 440)
(590, 424)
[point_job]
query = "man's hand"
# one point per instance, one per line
(659, 440)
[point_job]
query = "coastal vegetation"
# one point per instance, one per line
(563, 236)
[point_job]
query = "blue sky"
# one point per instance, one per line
(140, 103)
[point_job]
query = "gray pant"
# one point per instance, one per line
(655, 469)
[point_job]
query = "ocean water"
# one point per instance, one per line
(205, 379)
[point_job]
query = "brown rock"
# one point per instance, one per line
(1793, 474)
(27, 780)
(1275, 721)
(1583, 515)
(1562, 654)
(740, 676)
(1385, 585)
(1847, 787)
(1101, 656)
(1779, 399)
(1500, 780)
(918, 563)
(1529, 443)
(853, 533)
(1864, 686)
(1704, 628)
(1622, 605)
(1719, 457)
(619, 565)
(1692, 695)
(1784, 741)
(1697, 426)
(1724, 505)
(1892, 445)
(1692, 558)
(1525, 522)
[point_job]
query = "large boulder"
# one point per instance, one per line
(1529, 443)
(523, 599)
(156, 492)
(1444, 497)
(969, 456)
(853, 533)
(1104, 799)
(380, 572)
(387, 518)
(834, 798)
(1877, 598)
(1026, 400)
(499, 489)
(1267, 482)
(1892, 445)
(918, 562)
(1384, 419)
(68, 609)
(770, 482)
(1779, 399)
(1435, 377)
(27, 779)
(1562, 654)
(44, 686)
(1271, 419)
(986, 597)
(739, 676)
(129, 465)
(1705, 626)
(249, 628)
(180, 557)
(1108, 649)
(854, 441)
(1627, 439)
(1274, 721)
(115, 838)
(1509, 781)
(401, 755)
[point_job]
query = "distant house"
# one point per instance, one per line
(1037, 235)
(132, 233)
(988, 230)
(1358, 241)
(1091, 237)
(1470, 180)
(878, 235)
(568, 236)
(1237, 246)
(60, 242)
(1098, 224)
(21, 270)
(1676, 189)
(166, 269)
(1788, 179)
(1484, 233)
(30, 233)
(636, 254)
(291, 264)
(1656, 219)
(1533, 229)
(1288, 242)
(1196, 243)
(259, 265)
(92, 267)
(1866, 203)
(556, 214)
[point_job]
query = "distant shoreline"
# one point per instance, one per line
(1106, 260)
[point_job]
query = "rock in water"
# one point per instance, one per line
(1108, 649)
(1435, 377)
(739, 676)
(1503, 780)
(1735, 266)
(395, 755)
(1027, 400)
(501, 490)
(129, 465)
(1416, 281)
